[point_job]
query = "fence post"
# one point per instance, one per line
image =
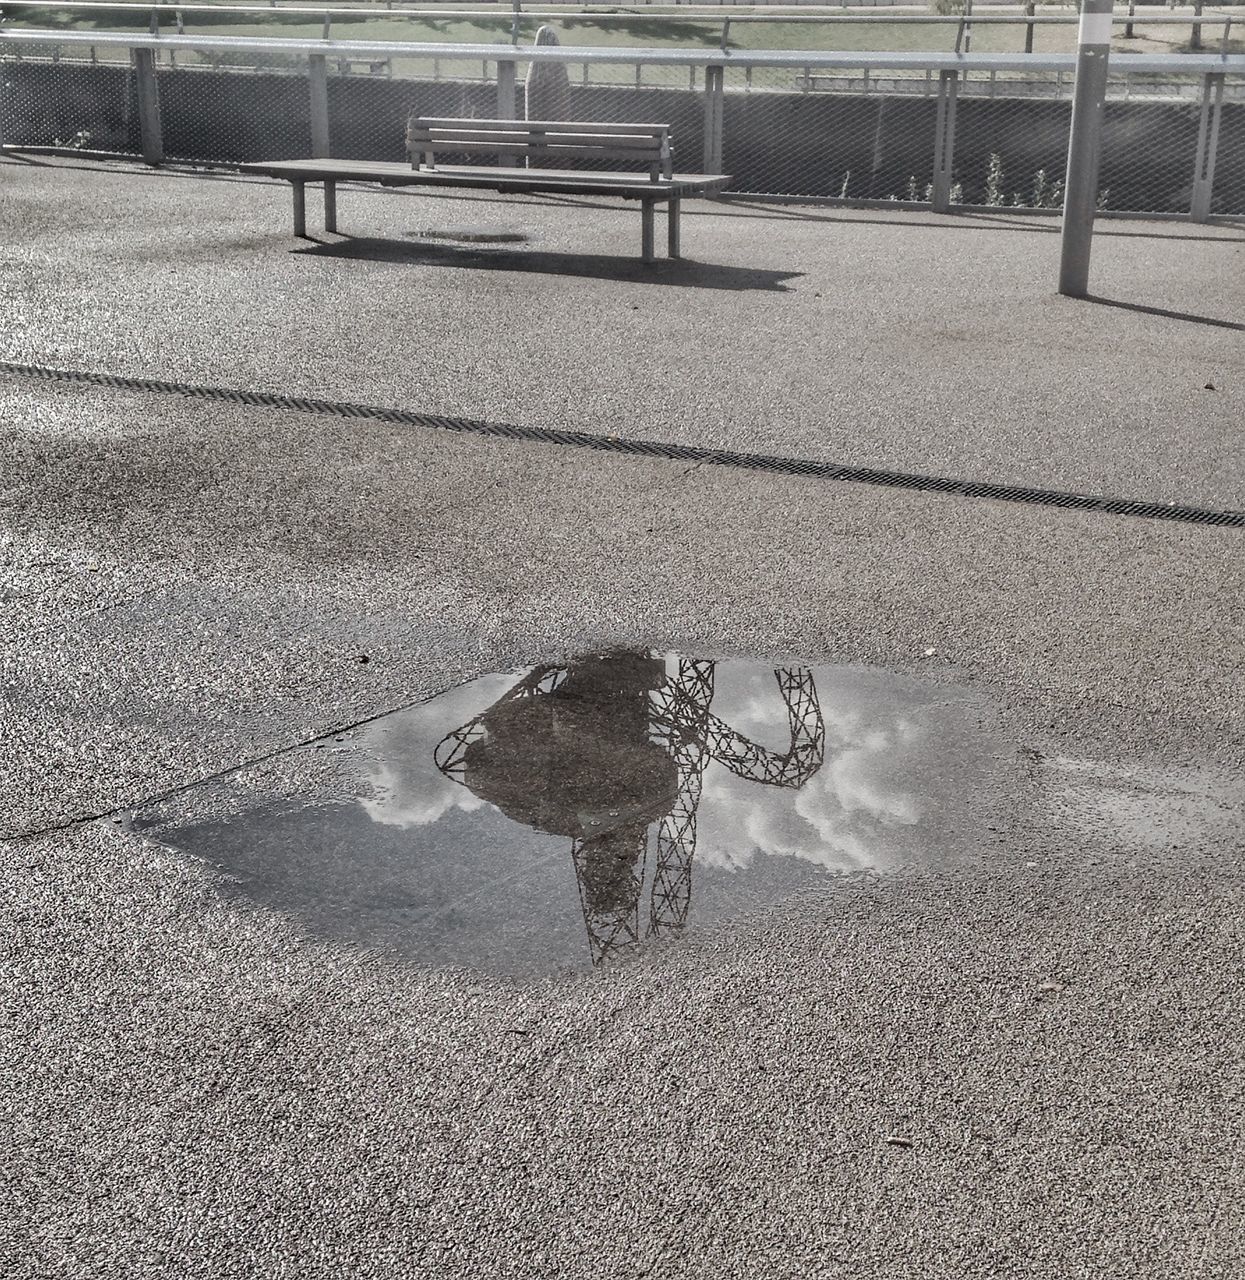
(1128, 26)
(1080, 190)
(1029, 26)
(505, 90)
(149, 126)
(1207, 147)
(507, 105)
(1195, 34)
(318, 85)
(944, 139)
(714, 84)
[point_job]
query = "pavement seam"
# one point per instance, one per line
(160, 797)
(663, 450)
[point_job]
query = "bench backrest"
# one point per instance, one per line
(645, 146)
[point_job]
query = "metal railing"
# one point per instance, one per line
(931, 129)
(1206, 26)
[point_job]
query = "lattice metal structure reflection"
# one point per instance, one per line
(604, 747)
(681, 725)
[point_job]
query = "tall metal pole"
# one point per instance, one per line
(711, 157)
(1080, 198)
(150, 129)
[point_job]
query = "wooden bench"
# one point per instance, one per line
(513, 145)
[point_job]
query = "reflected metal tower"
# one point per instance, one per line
(606, 745)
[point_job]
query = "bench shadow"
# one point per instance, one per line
(680, 272)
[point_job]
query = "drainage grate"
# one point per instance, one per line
(775, 464)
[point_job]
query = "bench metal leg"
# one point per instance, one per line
(646, 230)
(300, 209)
(330, 205)
(672, 227)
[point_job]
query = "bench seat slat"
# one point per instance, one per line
(507, 141)
(426, 138)
(640, 183)
(617, 141)
(489, 178)
(562, 126)
(556, 149)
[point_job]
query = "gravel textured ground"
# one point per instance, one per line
(1022, 1057)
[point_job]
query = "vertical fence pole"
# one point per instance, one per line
(1080, 199)
(1195, 35)
(507, 106)
(944, 139)
(1207, 147)
(1128, 26)
(1029, 26)
(318, 86)
(505, 90)
(149, 125)
(714, 84)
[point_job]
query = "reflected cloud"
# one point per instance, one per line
(839, 819)
(408, 790)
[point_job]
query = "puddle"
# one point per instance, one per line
(472, 235)
(1143, 810)
(562, 816)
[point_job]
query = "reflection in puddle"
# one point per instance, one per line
(472, 235)
(566, 814)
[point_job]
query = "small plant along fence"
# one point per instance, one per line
(938, 129)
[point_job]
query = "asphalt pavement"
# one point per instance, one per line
(1019, 1056)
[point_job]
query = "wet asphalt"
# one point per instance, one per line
(1022, 1058)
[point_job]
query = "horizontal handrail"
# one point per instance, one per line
(502, 11)
(1182, 63)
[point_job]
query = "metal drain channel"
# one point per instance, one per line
(775, 464)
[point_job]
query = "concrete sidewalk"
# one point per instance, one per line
(903, 340)
(1048, 1009)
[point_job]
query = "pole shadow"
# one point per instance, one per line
(1166, 314)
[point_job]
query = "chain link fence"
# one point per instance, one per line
(1226, 189)
(790, 132)
(50, 97)
(858, 134)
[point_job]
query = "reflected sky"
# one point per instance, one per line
(844, 818)
(560, 817)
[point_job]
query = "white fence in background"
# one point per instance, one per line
(934, 129)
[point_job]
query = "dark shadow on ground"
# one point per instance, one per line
(1166, 314)
(679, 272)
(1034, 224)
